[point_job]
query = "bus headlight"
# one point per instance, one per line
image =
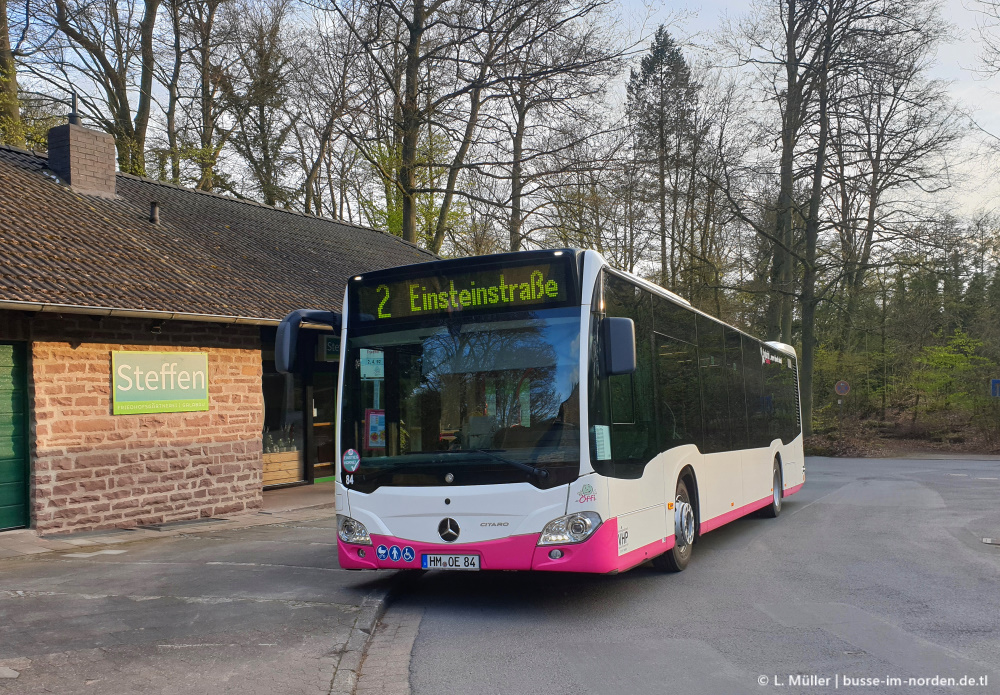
(572, 528)
(352, 531)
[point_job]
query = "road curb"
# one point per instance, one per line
(345, 677)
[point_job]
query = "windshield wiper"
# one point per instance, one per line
(540, 472)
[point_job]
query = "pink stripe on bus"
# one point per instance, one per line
(513, 553)
(793, 490)
(722, 519)
(598, 554)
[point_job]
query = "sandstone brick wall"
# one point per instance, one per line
(93, 470)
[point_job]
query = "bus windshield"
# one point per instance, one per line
(457, 399)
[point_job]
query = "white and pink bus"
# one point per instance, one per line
(544, 411)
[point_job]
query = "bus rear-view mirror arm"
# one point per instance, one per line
(618, 338)
(286, 342)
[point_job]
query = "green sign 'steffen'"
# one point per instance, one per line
(159, 382)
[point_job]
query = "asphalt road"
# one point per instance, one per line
(876, 569)
(254, 610)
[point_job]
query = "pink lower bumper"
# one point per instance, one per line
(598, 554)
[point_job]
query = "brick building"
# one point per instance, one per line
(112, 285)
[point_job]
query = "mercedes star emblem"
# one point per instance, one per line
(448, 530)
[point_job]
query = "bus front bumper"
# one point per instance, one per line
(597, 555)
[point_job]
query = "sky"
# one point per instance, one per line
(979, 184)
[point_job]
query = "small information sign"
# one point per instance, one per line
(372, 364)
(995, 388)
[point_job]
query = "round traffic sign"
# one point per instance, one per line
(842, 388)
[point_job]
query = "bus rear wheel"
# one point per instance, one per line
(774, 509)
(678, 557)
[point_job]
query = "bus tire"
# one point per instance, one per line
(772, 510)
(678, 557)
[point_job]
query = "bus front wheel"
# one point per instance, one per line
(774, 509)
(678, 557)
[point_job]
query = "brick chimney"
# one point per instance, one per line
(84, 158)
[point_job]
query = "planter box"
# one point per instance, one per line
(282, 467)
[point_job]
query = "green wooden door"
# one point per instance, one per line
(13, 437)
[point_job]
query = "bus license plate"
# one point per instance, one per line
(449, 562)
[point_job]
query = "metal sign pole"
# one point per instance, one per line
(842, 388)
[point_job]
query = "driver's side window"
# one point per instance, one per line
(633, 412)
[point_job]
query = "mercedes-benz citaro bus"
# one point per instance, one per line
(541, 410)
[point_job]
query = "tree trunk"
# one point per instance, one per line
(411, 124)
(676, 267)
(475, 99)
(661, 156)
(208, 153)
(516, 184)
(313, 172)
(147, 66)
(779, 307)
(10, 112)
(809, 298)
(174, 94)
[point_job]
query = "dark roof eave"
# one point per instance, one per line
(120, 312)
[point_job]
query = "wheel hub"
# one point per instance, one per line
(683, 523)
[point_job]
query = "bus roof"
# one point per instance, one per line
(444, 265)
(653, 287)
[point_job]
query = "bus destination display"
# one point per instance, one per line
(496, 289)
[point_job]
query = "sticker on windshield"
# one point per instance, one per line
(351, 460)
(602, 441)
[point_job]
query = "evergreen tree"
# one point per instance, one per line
(661, 101)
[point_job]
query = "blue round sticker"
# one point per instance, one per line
(382, 552)
(408, 554)
(395, 553)
(352, 459)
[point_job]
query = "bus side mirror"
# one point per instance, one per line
(286, 342)
(618, 339)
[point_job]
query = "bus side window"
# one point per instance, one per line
(678, 390)
(756, 402)
(677, 393)
(787, 404)
(633, 430)
(737, 389)
(774, 371)
(622, 399)
(714, 385)
(674, 321)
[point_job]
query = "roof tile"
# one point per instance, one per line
(209, 254)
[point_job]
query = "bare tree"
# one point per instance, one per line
(208, 36)
(100, 46)
(329, 87)
(558, 59)
(893, 130)
(170, 62)
(258, 96)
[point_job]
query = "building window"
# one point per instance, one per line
(283, 434)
